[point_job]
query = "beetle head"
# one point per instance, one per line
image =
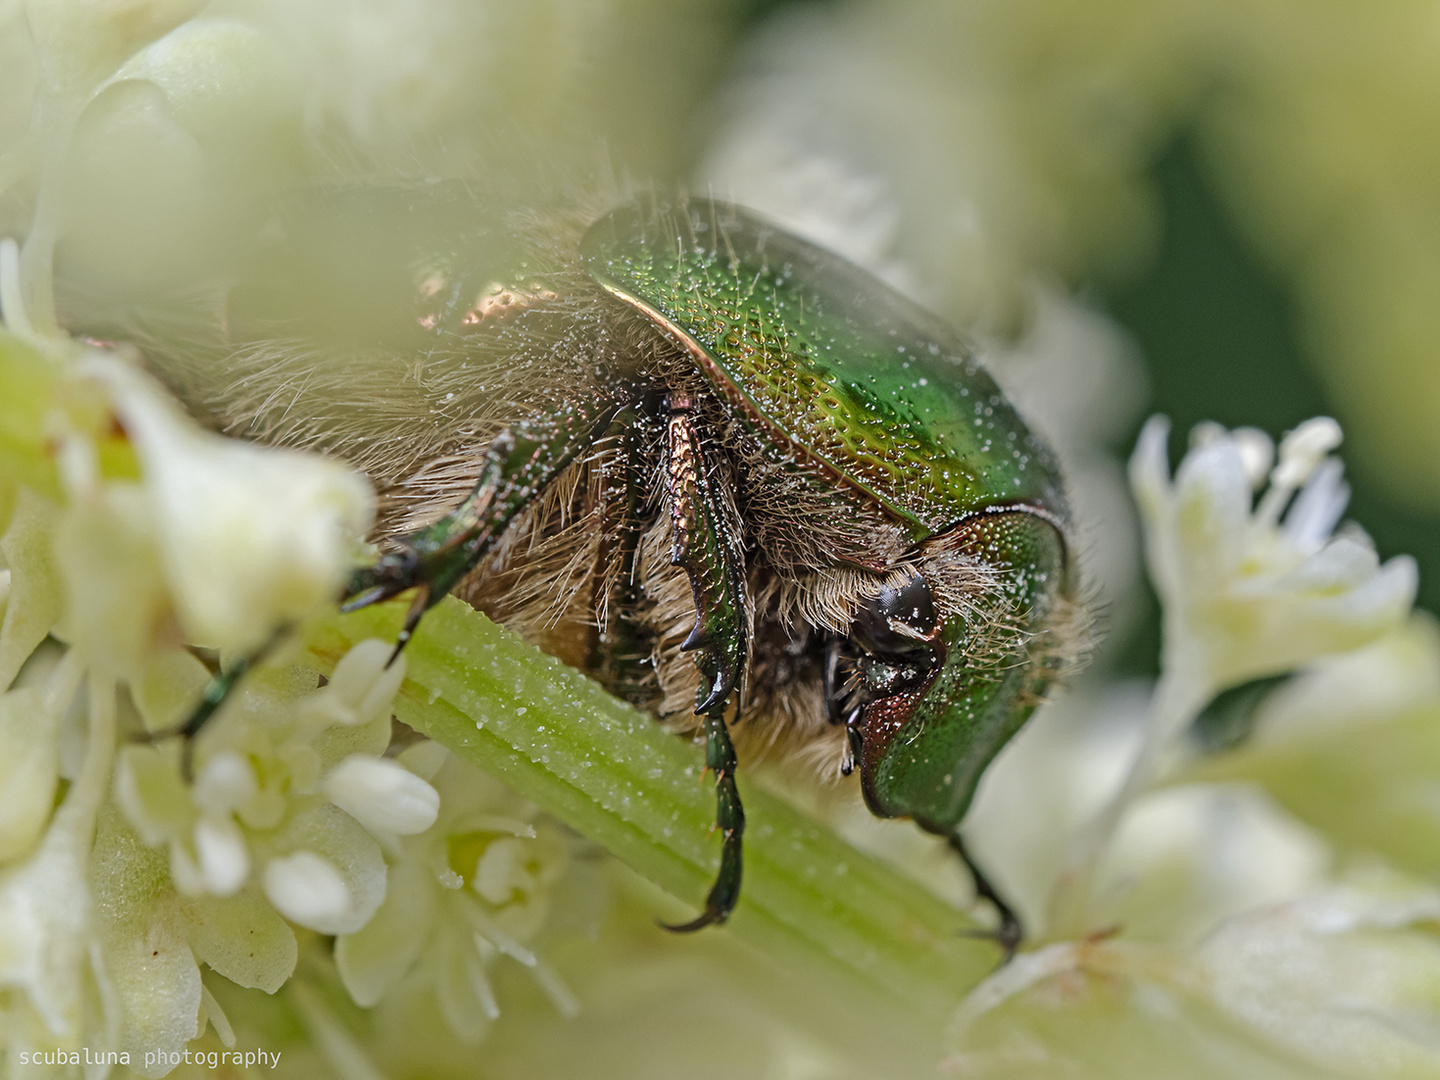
(955, 660)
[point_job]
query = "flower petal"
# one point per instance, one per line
(29, 769)
(377, 956)
(242, 938)
(36, 599)
(1316, 979)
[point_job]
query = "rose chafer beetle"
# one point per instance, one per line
(746, 485)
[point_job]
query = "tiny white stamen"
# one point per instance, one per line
(383, 795)
(480, 985)
(1302, 450)
(1316, 511)
(487, 929)
(216, 1015)
(1257, 451)
(306, 888)
(12, 302)
(224, 859)
(560, 995)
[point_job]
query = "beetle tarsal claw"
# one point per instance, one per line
(364, 599)
(729, 818)
(1009, 933)
(698, 638)
(706, 918)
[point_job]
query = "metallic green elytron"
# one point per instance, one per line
(874, 542)
(744, 484)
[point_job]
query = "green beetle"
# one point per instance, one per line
(873, 540)
(694, 434)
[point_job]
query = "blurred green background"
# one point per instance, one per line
(1218, 335)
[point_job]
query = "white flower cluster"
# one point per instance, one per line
(1244, 935)
(135, 533)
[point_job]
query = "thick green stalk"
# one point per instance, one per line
(613, 774)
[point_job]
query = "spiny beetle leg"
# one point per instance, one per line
(1009, 933)
(707, 545)
(730, 817)
(521, 462)
(622, 648)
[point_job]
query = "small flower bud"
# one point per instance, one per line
(226, 782)
(307, 889)
(382, 795)
(224, 859)
(1257, 451)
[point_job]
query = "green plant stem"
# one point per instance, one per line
(616, 776)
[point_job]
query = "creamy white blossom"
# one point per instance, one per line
(1253, 590)
(114, 905)
(473, 888)
(251, 537)
(1248, 588)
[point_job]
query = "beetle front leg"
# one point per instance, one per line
(730, 817)
(520, 463)
(707, 545)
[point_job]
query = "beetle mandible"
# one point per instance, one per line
(746, 485)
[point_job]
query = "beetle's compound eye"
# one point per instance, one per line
(896, 630)
(897, 623)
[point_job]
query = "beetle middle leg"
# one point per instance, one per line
(706, 544)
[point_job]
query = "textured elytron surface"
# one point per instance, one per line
(827, 360)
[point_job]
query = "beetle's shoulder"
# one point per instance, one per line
(824, 358)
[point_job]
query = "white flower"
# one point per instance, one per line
(252, 537)
(1247, 591)
(1343, 982)
(113, 905)
(266, 774)
(1258, 590)
(474, 887)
